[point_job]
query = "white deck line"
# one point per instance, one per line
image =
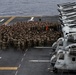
(32, 19)
(0, 57)
(1, 20)
(42, 47)
(39, 61)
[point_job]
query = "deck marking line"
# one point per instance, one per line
(9, 20)
(32, 19)
(0, 57)
(16, 72)
(51, 71)
(42, 47)
(40, 61)
(48, 68)
(19, 65)
(24, 54)
(8, 68)
(22, 59)
(1, 20)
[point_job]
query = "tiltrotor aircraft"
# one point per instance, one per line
(64, 49)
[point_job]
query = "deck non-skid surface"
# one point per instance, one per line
(34, 61)
(4, 19)
(9, 61)
(7, 20)
(19, 63)
(35, 68)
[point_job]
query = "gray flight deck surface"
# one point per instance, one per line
(27, 62)
(25, 19)
(5, 19)
(12, 58)
(22, 61)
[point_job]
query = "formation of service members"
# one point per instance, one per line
(22, 35)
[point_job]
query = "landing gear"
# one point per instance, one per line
(55, 70)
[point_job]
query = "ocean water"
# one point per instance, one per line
(30, 7)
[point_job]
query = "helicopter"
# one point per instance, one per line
(64, 58)
(64, 49)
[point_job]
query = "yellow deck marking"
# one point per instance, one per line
(9, 20)
(8, 68)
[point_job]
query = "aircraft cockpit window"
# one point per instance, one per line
(73, 59)
(70, 38)
(73, 47)
(61, 43)
(61, 57)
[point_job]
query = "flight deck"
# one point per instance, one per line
(32, 61)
